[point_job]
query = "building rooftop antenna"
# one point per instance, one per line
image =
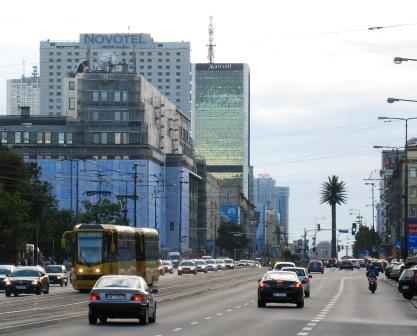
(35, 71)
(23, 68)
(211, 45)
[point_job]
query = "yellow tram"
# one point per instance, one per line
(102, 249)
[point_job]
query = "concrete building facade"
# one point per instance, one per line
(24, 91)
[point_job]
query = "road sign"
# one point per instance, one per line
(343, 231)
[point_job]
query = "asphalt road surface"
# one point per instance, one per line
(340, 304)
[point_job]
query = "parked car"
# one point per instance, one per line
(396, 271)
(221, 264)
(168, 267)
(315, 266)
(57, 274)
(302, 276)
(407, 283)
(122, 296)
(355, 263)
(279, 286)
(230, 263)
(279, 265)
(5, 271)
(187, 267)
(390, 267)
(332, 262)
(346, 264)
(362, 262)
(27, 279)
(211, 265)
(201, 265)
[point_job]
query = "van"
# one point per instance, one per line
(175, 258)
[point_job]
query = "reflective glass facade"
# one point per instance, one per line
(221, 118)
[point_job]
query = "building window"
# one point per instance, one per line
(117, 116)
(71, 85)
(413, 191)
(26, 138)
(412, 172)
(61, 138)
(117, 96)
(117, 138)
(124, 96)
(103, 96)
(69, 138)
(72, 103)
(95, 96)
(17, 137)
(40, 138)
(3, 137)
(47, 138)
(104, 138)
(412, 211)
(95, 138)
(93, 115)
(121, 138)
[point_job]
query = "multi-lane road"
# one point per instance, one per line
(225, 304)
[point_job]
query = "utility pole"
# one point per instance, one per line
(135, 192)
(372, 184)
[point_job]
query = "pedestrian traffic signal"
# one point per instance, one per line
(353, 229)
(318, 227)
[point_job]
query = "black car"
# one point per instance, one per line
(315, 266)
(122, 296)
(407, 284)
(57, 274)
(27, 279)
(378, 265)
(5, 271)
(346, 264)
(280, 287)
(332, 262)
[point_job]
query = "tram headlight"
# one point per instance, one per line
(98, 270)
(80, 270)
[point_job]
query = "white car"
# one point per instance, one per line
(221, 264)
(302, 276)
(355, 263)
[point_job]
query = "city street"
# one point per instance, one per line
(340, 304)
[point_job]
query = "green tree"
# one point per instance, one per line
(230, 238)
(366, 241)
(103, 212)
(333, 192)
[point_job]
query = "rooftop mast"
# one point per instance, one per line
(211, 45)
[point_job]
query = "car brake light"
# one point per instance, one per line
(94, 296)
(136, 297)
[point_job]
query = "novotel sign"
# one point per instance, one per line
(113, 39)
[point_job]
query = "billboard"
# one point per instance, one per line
(230, 213)
(389, 159)
(412, 234)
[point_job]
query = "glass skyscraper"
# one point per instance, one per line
(221, 119)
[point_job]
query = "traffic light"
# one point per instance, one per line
(353, 229)
(318, 227)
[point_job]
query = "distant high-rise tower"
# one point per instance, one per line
(166, 65)
(221, 123)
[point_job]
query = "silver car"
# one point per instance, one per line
(221, 264)
(122, 296)
(201, 265)
(302, 276)
(211, 265)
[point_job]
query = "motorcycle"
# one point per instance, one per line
(372, 285)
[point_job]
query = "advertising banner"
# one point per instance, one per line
(412, 234)
(230, 213)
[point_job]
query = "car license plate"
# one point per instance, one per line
(115, 297)
(279, 294)
(20, 287)
(405, 287)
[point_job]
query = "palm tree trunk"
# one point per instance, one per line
(334, 250)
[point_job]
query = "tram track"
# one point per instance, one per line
(35, 311)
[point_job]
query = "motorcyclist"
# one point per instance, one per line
(372, 272)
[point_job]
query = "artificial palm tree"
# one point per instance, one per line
(333, 192)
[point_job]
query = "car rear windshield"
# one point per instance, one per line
(4, 271)
(53, 269)
(315, 263)
(200, 262)
(279, 266)
(228, 260)
(407, 274)
(118, 282)
(298, 271)
(377, 263)
(280, 276)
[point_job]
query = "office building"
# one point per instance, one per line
(221, 119)
(164, 64)
(282, 198)
(126, 143)
(23, 92)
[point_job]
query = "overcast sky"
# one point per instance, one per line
(319, 77)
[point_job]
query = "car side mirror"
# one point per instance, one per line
(310, 276)
(8, 274)
(154, 290)
(259, 280)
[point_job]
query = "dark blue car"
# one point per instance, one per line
(315, 266)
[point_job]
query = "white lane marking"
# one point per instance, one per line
(307, 329)
(192, 323)
(229, 310)
(252, 301)
(238, 307)
(319, 317)
(42, 308)
(219, 314)
(208, 318)
(177, 329)
(312, 324)
(302, 334)
(245, 304)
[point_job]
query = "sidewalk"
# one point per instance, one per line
(395, 284)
